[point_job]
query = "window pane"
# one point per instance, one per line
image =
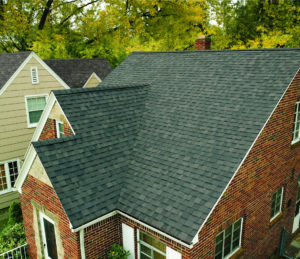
(146, 238)
(3, 183)
(145, 256)
(158, 255)
(35, 104)
(61, 129)
(159, 245)
(34, 117)
(145, 250)
(13, 172)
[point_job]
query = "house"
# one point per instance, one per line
(191, 154)
(25, 84)
(78, 73)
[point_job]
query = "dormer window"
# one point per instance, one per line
(34, 75)
(60, 130)
(296, 133)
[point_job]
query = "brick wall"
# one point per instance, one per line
(44, 195)
(272, 163)
(99, 237)
(49, 130)
(202, 43)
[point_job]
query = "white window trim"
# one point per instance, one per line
(33, 125)
(57, 122)
(37, 75)
(7, 175)
(240, 241)
(295, 140)
(280, 208)
(147, 245)
(45, 248)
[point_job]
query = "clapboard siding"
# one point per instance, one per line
(7, 198)
(93, 81)
(13, 143)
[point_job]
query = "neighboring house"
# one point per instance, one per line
(25, 83)
(191, 154)
(78, 73)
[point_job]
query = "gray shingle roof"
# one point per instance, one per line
(164, 152)
(9, 63)
(75, 72)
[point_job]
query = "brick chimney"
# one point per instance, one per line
(202, 43)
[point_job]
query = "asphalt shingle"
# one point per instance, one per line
(75, 72)
(164, 152)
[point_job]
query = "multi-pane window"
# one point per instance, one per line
(60, 130)
(35, 107)
(296, 133)
(276, 203)
(8, 175)
(34, 75)
(229, 240)
(150, 247)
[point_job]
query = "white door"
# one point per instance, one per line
(297, 211)
(49, 240)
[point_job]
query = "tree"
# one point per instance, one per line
(98, 28)
(257, 24)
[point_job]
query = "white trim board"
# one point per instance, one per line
(195, 239)
(93, 74)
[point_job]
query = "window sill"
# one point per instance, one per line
(32, 126)
(275, 219)
(295, 143)
(237, 253)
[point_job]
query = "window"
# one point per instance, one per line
(229, 240)
(276, 203)
(35, 106)
(8, 175)
(150, 247)
(34, 75)
(60, 131)
(296, 133)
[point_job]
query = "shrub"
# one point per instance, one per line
(14, 213)
(11, 237)
(118, 252)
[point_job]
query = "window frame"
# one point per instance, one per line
(33, 125)
(139, 242)
(296, 120)
(57, 122)
(37, 75)
(280, 207)
(240, 239)
(7, 174)
(44, 240)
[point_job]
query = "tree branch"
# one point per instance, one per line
(79, 8)
(45, 14)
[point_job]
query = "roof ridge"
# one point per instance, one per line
(214, 50)
(98, 89)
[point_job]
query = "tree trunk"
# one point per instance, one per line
(45, 14)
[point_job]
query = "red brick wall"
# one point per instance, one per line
(272, 163)
(45, 195)
(49, 130)
(99, 237)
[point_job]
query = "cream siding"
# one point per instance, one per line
(93, 81)
(13, 115)
(15, 135)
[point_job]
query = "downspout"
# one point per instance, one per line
(81, 240)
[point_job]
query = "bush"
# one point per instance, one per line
(118, 252)
(15, 213)
(11, 237)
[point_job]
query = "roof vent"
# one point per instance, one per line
(202, 43)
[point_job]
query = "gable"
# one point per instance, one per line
(15, 130)
(93, 81)
(37, 171)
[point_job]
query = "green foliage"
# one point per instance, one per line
(12, 237)
(118, 252)
(101, 28)
(14, 213)
(257, 24)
